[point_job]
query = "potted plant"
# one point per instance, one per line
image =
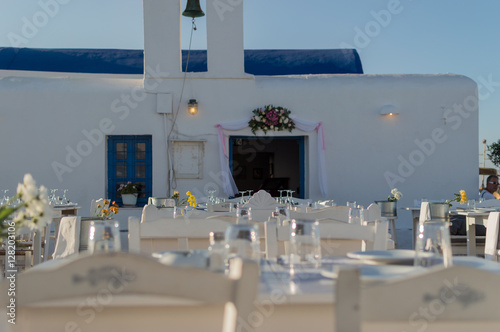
(389, 207)
(128, 192)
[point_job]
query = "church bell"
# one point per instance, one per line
(193, 9)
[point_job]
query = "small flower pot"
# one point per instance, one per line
(129, 199)
(387, 208)
(440, 211)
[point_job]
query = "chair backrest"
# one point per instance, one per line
(130, 292)
(340, 213)
(374, 236)
(438, 299)
(150, 212)
(373, 212)
(171, 234)
(491, 249)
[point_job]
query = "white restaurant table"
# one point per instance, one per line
(472, 217)
(305, 301)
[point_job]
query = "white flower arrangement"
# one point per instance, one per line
(271, 118)
(29, 207)
(395, 195)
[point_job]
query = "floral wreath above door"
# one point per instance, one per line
(271, 118)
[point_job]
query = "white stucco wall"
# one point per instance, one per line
(429, 149)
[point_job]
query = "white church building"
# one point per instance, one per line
(76, 126)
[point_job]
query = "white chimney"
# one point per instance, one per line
(162, 40)
(225, 38)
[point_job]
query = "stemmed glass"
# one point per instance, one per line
(211, 197)
(289, 196)
(242, 199)
(281, 201)
(65, 198)
(53, 198)
(5, 198)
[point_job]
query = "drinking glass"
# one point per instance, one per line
(433, 245)
(471, 204)
(305, 245)
(352, 204)
(243, 215)
(356, 215)
(104, 236)
(242, 240)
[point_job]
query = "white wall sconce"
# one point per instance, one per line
(192, 106)
(389, 109)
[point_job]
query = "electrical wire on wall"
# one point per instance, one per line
(171, 179)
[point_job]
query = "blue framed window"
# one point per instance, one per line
(130, 158)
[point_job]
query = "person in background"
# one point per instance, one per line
(490, 192)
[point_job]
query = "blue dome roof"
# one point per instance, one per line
(113, 61)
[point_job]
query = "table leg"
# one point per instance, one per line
(393, 232)
(471, 235)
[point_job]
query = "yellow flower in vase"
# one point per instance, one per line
(463, 197)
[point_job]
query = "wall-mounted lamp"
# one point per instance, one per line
(192, 106)
(388, 110)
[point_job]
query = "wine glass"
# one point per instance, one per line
(5, 198)
(52, 197)
(65, 198)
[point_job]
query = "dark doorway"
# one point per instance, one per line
(268, 163)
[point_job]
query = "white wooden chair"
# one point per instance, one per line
(172, 234)
(130, 292)
(340, 213)
(151, 212)
(491, 248)
(337, 237)
(459, 298)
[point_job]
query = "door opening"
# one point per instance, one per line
(268, 163)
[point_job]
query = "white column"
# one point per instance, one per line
(162, 39)
(225, 38)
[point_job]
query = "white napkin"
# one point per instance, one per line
(425, 212)
(490, 247)
(68, 239)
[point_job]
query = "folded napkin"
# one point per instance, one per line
(68, 239)
(425, 212)
(491, 243)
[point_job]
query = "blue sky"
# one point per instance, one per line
(418, 36)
